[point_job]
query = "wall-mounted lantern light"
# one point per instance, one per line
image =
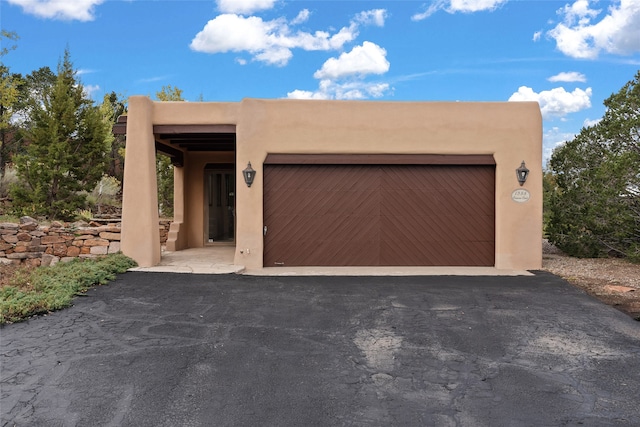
(249, 174)
(522, 173)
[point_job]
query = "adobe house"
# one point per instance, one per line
(339, 183)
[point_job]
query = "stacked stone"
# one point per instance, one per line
(35, 244)
(165, 224)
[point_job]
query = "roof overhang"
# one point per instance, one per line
(175, 140)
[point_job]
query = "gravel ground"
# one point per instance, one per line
(614, 281)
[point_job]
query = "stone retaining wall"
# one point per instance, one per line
(34, 244)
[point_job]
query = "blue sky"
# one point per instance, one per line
(567, 55)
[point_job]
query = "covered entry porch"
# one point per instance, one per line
(204, 161)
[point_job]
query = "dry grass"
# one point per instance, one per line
(26, 291)
(8, 273)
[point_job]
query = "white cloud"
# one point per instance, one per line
(89, 90)
(589, 123)
(302, 17)
(235, 33)
(344, 77)
(80, 10)
(276, 55)
(552, 138)
(244, 6)
(454, 6)
(433, 8)
(474, 5)
(305, 94)
(232, 32)
(537, 35)
(366, 59)
(618, 32)
(372, 17)
(328, 89)
(83, 71)
(153, 79)
(273, 41)
(572, 76)
(556, 102)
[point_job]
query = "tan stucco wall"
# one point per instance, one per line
(140, 233)
(511, 132)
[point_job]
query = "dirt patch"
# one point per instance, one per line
(614, 281)
(16, 275)
(7, 271)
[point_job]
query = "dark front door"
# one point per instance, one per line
(220, 187)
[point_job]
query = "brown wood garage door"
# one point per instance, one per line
(379, 214)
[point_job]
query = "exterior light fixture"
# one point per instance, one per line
(249, 174)
(522, 173)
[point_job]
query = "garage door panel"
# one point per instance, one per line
(364, 203)
(344, 228)
(439, 244)
(398, 245)
(477, 254)
(334, 178)
(428, 257)
(357, 252)
(354, 248)
(398, 248)
(379, 215)
(410, 202)
(433, 229)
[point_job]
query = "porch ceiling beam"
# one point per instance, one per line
(177, 156)
(190, 129)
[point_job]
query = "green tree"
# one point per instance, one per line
(169, 93)
(113, 107)
(68, 139)
(35, 89)
(30, 96)
(548, 188)
(594, 207)
(164, 168)
(9, 94)
(7, 35)
(9, 91)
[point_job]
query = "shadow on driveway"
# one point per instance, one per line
(160, 349)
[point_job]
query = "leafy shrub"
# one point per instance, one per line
(105, 192)
(46, 289)
(10, 178)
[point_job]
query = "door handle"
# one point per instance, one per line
(264, 231)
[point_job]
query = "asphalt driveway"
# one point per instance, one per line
(160, 349)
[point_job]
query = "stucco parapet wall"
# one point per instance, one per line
(35, 244)
(404, 126)
(195, 112)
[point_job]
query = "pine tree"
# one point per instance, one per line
(66, 155)
(9, 92)
(594, 209)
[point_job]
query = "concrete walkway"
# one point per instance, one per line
(207, 260)
(219, 260)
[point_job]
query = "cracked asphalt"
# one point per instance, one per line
(161, 349)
